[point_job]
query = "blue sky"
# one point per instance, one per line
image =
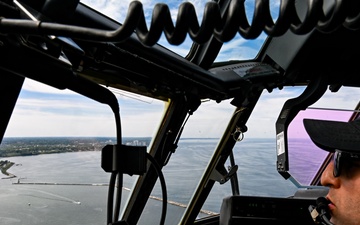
(45, 111)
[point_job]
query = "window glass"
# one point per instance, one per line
(255, 155)
(187, 165)
(51, 155)
(240, 48)
(305, 158)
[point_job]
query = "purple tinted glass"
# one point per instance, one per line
(305, 158)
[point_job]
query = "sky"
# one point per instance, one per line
(45, 111)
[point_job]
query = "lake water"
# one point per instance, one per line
(81, 194)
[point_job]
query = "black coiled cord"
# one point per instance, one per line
(344, 13)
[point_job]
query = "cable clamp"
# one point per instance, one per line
(124, 159)
(223, 176)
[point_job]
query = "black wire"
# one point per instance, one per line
(118, 196)
(163, 186)
(110, 202)
(234, 179)
(326, 221)
(174, 145)
(114, 175)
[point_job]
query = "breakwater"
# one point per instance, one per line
(4, 166)
(51, 183)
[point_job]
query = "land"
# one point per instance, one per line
(11, 147)
(4, 166)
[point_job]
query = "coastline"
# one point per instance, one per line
(4, 166)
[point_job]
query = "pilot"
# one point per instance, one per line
(342, 175)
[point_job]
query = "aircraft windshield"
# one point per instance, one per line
(64, 183)
(305, 158)
(201, 113)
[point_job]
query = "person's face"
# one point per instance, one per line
(344, 194)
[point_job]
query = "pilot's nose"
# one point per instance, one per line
(328, 179)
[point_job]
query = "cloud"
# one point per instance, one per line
(34, 86)
(26, 123)
(43, 117)
(237, 49)
(119, 9)
(263, 119)
(45, 111)
(112, 8)
(51, 113)
(345, 98)
(209, 120)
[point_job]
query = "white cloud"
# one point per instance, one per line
(112, 8)
(34, 86)
(345, 98)
(39, 123)
(44, 111)
(59, 106)
(119, 9)
(209, 120)
(261, 124)
(263, 119)
(237, 53)
(36, 117)
(71, 115)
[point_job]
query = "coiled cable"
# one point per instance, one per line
(344, 13)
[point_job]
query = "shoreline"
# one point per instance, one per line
(5, 165)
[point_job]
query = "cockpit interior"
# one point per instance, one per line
(175, 112)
